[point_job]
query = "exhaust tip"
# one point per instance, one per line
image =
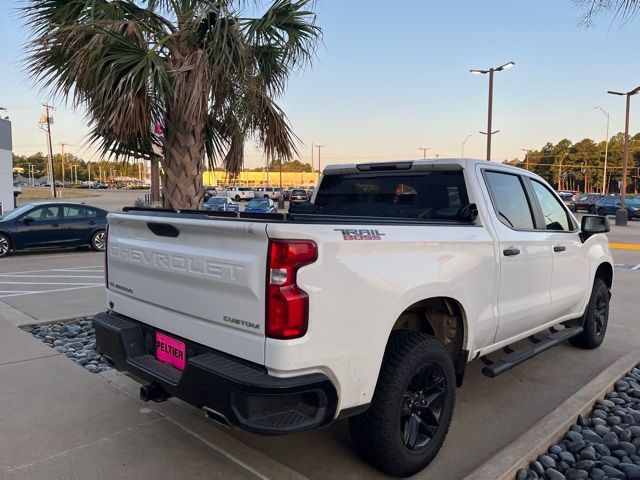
(216, 417)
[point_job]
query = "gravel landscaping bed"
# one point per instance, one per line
(76, 339)
(602, 446)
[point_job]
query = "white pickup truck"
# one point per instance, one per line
(366, 303)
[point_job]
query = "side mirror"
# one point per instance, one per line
(593, 224)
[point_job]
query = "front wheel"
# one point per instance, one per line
(595, 319)
(412, 406)
(591, 209)
(5, 246)
(601, 212)
(237, 198)
(99, 241)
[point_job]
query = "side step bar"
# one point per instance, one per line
(518, 356)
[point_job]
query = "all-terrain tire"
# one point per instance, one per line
(377, 434)
(595, 319)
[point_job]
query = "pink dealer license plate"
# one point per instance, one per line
(171, 351)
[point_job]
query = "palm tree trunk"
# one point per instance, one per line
(185, 118)
(182, 166)
(155, 180)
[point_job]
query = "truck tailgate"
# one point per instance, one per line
(198, 278)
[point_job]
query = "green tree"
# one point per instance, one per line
(193, 79)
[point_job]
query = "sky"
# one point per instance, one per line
(391, 77)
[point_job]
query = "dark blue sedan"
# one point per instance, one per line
(52, 225)
(610, 204)
(261, 205)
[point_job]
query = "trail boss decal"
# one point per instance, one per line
(362, 234)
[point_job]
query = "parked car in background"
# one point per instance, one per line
(208, 193)
(52, 225)
(240, 193)
(299, 196)
(586, 202)
(220, 204)
(567, 199)
(287, 193)
(610, 204)
(100, 186)
(261, 205)
(267, 192)
(575, 194)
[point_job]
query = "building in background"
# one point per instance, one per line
(7, 199)
(257, 179)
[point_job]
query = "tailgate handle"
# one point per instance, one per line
(163, 229)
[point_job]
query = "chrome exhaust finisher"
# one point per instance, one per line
(216, 417)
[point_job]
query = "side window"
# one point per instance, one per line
(43, 213)
(91, 213)
(509, 200)
(555, 216)
(73, 212)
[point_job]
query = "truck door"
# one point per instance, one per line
(570, 274)
(524, 297)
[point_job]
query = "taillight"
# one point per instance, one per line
(287, 305)
(106, 255)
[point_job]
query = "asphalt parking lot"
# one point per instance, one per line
(490, 413)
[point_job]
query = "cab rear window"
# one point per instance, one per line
(421, 195)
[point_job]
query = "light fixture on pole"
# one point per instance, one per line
(622, 215)
(463, 144)
(526, 151)
(424, 152)
(606, 153)
(490, 71)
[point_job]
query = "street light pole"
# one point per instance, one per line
(424, 152)
(622, 215)
(605, 188)
(319, 160)
(491, 71)
(463, 144)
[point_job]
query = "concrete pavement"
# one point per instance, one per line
(61, 422)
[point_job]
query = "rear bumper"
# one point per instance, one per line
(241, 393)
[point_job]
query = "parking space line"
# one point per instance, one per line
(50, 276)
(43, 271)
(52, 291)
(624, 246)
(49, 283)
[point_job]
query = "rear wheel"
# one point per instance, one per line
(595, 319)
(237, 198)
(412, 406)
(99, 241)
(5, 246)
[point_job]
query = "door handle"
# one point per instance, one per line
(510, 252)
(559, 248)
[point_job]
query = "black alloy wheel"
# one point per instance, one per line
(422, 406)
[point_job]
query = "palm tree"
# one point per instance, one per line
(188, 80)
(623, 10)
